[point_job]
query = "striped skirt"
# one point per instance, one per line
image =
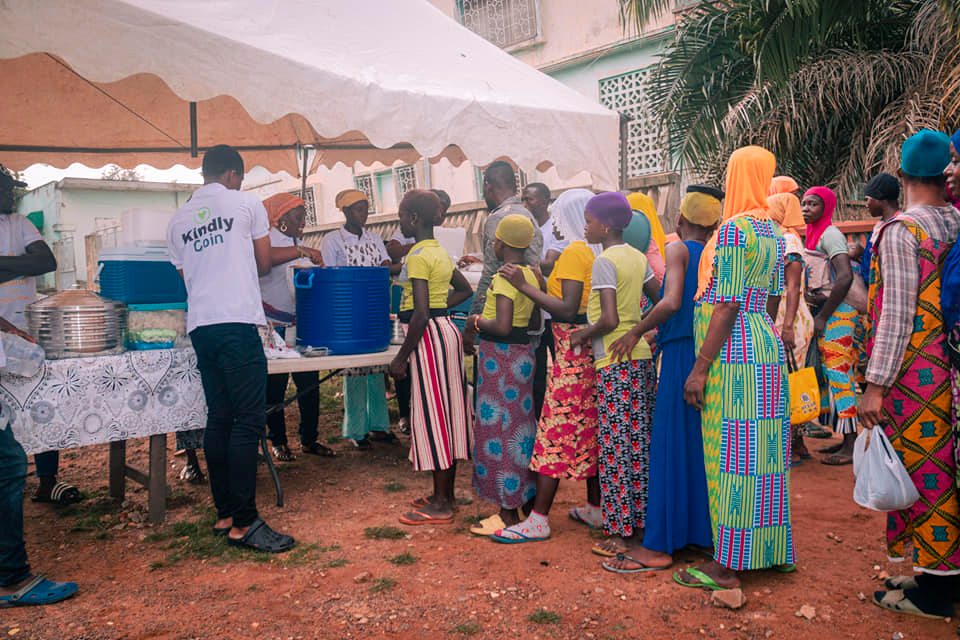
(440, 421)
(839, 363)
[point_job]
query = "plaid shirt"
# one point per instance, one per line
(899, 255)
(490, 262)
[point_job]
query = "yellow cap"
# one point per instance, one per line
(516, 230)
(350, 197)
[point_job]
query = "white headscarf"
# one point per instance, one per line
(569, 220)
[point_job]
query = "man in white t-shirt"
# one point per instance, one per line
(23, 256)
(219, 241)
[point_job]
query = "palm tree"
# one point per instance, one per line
(832, 87)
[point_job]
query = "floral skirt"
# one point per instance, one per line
(505, 426)
(566, 446)
(626, 392)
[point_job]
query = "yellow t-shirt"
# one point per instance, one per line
(575, 263)
(428, 261)
(522, 305)
(625, 269)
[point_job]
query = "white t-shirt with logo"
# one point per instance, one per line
(16, 234)
(211, 239)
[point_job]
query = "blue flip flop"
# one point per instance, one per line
(522, 539)
(39, 591)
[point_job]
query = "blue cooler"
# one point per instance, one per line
(345, 309)
(140, 275)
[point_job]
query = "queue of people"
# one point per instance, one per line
(664, 365)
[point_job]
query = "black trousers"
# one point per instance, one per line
(233, 370)
(540, 372)
(13, 472)
(309, 404)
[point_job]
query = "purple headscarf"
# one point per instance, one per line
(610, 209)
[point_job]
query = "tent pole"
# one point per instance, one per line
(193, 129)
(303, 174)
(624, 135)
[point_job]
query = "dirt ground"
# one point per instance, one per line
(176, 581)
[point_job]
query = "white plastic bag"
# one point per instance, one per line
(883, 483)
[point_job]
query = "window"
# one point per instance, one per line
(311, 203)
(385, 189)
(478, 180)
(646, 143)
(505, 23)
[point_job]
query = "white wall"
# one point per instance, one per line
(77, 210)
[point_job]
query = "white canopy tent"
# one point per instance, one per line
(158, 81)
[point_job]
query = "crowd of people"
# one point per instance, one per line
(655, 372)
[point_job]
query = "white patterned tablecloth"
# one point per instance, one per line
(82, 401)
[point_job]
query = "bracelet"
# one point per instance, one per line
(700, 356)
(476, 324)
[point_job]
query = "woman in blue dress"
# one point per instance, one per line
(678, 513)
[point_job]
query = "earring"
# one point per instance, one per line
(282, 227)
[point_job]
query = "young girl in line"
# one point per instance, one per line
(566, 444)
(439, 416)
(625, 390)
(505, 422)
(678, 513)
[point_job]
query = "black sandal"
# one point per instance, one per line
(386, 437)
(192, 474)
(317, 449)
(62, 493)
(282, 453)
(363, 444)
(260, 537)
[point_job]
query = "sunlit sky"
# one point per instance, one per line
(41, 174)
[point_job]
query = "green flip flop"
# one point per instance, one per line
(703, 580)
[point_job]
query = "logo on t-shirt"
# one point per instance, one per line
(208, 231)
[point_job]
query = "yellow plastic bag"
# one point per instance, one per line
(804, 392)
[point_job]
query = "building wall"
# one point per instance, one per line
(80, 212)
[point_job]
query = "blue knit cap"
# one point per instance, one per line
(925, 154)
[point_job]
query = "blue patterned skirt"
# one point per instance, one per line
(505, 427)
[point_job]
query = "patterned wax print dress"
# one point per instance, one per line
(746, 424)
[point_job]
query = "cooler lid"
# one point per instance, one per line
(142, 254)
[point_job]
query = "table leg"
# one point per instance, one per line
(158, 478)
(118, 469)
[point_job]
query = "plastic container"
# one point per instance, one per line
(144, 227)
(345, 309)
(140, 275)
(23, 358)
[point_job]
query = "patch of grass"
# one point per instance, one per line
(333, 439)
(394, 487)
(467, 628)
(300, 555)
(157, 536)
(253, 587)
(384, 533)
(382, 584)
(103, 535)
(475, 519)
(544, 616)
(403, 558)
(156, 564)
(328, 548)
(336, 563)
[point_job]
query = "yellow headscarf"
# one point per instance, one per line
(783, 184)
(644, 204)
(785, 211)
(749, 172)
(700, 208)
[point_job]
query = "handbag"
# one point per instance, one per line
(804, 392)
(817, 268)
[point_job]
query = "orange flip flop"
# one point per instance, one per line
(423, 518)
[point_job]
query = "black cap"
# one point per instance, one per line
(883, 186)
(7, 181)
(710, 191)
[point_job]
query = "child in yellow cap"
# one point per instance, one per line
(505, 426)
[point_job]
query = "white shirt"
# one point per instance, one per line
(402, 239)
(211, 239)
(341, 248)
(274, 287)
(16, 234)
(550, 240)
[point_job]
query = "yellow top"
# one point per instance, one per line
(428, 261)
(625, 269)
(575, 263)
(522, 305)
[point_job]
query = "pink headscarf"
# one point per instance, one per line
(815, 230)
